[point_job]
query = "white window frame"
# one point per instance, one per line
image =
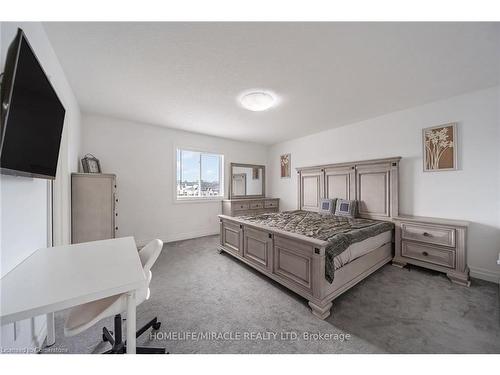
(192, 199)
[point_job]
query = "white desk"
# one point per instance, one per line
(60, 277)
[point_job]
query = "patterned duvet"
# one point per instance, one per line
(339, 232)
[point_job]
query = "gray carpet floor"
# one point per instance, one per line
(195, 291)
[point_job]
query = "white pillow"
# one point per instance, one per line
(345, 208)
(326, 206)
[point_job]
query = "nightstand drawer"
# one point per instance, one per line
(428, 233)
(428, 253)
(241, 206)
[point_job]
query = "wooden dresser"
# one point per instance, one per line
(438, 244)
(253, 206)
(93, 207)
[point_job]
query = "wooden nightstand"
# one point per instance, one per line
(438, 244)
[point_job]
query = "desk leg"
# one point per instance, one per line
(51, 329)
(131, 323)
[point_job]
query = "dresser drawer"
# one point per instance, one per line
(243, 213)
(428, 233)
(428, 253)
(270, 204)
(256, 205)
(241, 206)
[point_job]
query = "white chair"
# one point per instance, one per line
(84, 316)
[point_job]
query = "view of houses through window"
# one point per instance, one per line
(199, 174)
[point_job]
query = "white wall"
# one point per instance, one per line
(472, 193)
(142, 157)
(25, 209)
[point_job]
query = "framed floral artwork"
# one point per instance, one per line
(440, 148)
(285, 163)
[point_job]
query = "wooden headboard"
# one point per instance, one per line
(373, 183)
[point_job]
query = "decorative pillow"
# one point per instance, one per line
(326, 206)
(345, 208)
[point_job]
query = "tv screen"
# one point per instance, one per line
(32, 115)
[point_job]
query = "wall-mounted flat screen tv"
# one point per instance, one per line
(32, 115)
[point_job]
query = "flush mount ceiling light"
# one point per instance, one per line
(257, 100)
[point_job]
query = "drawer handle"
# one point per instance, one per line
(427, 234)
(425, 253)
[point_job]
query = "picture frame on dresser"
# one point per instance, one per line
(90, 164)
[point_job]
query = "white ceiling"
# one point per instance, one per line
(188, 75)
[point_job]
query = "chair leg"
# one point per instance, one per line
(150, 350)
(120, 346)
(118, 329)
(116, 340)
(107, 336)
(154, 323)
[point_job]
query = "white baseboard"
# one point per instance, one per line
(180, 236)
(484, 274)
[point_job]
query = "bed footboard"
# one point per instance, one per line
(296, 261)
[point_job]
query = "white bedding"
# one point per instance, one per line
(361, 248)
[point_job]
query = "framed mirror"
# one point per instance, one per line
(247, 181)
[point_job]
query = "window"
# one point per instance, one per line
(199, 175)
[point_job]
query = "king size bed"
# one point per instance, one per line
(321, 256)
